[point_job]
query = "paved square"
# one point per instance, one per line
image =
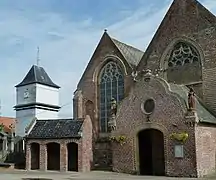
(94, 175)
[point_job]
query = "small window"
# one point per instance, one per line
(148, 106)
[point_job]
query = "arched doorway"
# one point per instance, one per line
(53, 156)
(72, 149)
(35, 156)
(151, 152)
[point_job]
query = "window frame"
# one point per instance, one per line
(119, 95)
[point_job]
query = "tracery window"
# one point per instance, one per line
(111, 85)
(183, 54)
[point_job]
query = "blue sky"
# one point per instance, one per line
(67, 32)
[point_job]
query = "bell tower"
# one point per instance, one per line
(36, 97)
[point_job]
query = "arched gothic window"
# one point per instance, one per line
(184, 64)
(111, 85)
(183, 54)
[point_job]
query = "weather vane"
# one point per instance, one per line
(38, 56)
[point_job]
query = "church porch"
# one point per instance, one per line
(54, 154)
(60, 145)
(157, 134)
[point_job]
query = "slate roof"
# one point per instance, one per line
(37, 75)
(56, 129)
(130, 53)
(203, 113)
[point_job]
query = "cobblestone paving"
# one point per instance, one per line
(95, 175)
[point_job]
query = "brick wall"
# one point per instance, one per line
(186, 21)
(78, 105)
(103, 154)
(168, 117)
(205, 149)
(88, 85)
(84, 150)
(87, 154)
(209, 87)
(43, 153)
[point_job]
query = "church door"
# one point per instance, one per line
(151, 152)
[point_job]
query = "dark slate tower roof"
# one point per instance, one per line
(37, 75)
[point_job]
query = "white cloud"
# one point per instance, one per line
(65, 46)
(138, 29)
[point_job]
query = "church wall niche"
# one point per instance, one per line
(89, 110)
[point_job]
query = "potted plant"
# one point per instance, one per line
(121, 139)
(183, 136)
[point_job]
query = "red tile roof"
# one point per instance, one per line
(8, 122)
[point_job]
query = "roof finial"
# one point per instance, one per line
(105, 30)
(38, 56)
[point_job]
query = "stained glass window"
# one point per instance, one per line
(111, 85)
(183, 54)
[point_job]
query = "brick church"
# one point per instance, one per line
(164, 122)
(148, 113)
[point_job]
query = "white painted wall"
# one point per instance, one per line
(25, 117)
(47, 95)
(45, 114)
(40, 94)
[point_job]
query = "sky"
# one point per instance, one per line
(67, 32)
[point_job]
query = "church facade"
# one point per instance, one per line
(147, 113)
(153, 112)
